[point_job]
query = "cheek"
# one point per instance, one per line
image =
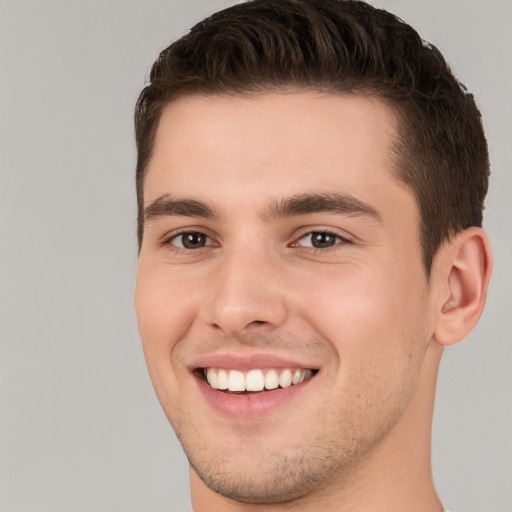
(371, 318)
(375, 326)
(163, 312)
(164, 316)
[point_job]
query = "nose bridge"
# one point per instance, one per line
(246, 289)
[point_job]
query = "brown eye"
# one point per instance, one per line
(320, 240)
(191, 240)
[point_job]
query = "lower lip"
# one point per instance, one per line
(250, 405)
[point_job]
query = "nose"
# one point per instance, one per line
(246, 293)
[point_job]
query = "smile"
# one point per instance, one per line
(255, 380)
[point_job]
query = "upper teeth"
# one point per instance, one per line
(254, 380)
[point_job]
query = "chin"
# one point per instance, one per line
(278, 485)
(273, 474)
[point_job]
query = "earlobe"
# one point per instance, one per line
(463, 273)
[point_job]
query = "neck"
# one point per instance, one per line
(396, 475)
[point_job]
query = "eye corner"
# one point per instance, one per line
(320, 239)
(188, 240)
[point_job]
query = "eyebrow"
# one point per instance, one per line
(304, 204)
(300, 204)
(165, 205)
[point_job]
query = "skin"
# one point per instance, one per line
(361, 311)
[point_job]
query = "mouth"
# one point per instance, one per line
(254, 381)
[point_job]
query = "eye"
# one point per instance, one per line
(190, 240)
(320, 240)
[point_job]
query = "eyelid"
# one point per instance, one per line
(168, 238)
(309, 230)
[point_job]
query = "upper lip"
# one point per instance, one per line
(246, 362)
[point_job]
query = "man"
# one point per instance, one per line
(310, 182)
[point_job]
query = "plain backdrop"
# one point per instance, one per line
(80, 427)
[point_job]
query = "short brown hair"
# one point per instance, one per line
(338, 46)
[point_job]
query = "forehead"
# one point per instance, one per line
(291, 140)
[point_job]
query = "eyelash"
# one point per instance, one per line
(339, 240)
(169, 240)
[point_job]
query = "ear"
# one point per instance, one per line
(462, 273)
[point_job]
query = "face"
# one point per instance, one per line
(281, 297)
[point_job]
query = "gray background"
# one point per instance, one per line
(80, 429)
